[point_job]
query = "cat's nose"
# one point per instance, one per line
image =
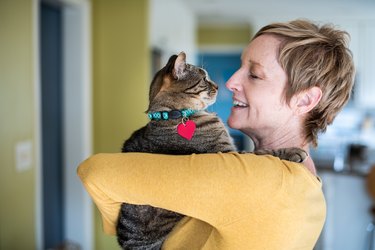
(215, 86)
(212, 90)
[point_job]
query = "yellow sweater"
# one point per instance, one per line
(232, 201)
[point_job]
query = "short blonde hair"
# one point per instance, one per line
(313, 55)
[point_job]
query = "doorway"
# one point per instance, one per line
(221, 66)
(64, 210)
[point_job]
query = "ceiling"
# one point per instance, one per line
(214, 11)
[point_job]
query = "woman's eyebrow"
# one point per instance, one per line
(255, 64)
(251, 62)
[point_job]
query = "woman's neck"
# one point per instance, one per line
(286, 141)
(309, 164)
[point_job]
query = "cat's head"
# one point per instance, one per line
(181, 86)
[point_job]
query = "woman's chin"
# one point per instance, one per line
(238, 117)
(233, 122)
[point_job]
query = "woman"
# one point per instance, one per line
(294, 78)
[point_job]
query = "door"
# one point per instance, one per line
(52, 128)
(220, 67)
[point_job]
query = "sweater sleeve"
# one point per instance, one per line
(203, 186)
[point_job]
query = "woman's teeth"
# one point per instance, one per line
(239, 104)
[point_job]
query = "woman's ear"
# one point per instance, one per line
(308, 99)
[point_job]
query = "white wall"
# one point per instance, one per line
(172, 28)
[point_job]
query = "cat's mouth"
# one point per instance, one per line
(239, 104)
(210, 100)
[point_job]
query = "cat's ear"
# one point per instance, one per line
(179, 66)
(169, 67)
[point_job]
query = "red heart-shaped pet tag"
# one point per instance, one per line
(186, 130)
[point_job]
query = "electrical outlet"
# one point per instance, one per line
(23, 152)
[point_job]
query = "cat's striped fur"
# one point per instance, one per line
(175, 87)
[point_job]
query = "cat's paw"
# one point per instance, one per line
(290, 154)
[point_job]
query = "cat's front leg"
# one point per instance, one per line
(290, 154)
(142, 227)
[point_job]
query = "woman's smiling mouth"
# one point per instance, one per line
(238, 104)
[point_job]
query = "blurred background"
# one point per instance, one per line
(74, 78)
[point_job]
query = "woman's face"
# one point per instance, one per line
(258, 89)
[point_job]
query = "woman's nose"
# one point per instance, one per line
(233, 82)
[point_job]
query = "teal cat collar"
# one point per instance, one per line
(173, 114)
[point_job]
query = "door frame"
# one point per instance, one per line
(78, 209)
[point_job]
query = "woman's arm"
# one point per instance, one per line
(203, 186)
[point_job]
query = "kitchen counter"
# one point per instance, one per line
(352, 172)
(348, 210)
(343, 168)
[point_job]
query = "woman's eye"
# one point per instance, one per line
(253, 76)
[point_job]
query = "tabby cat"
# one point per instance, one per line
(178, 96)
